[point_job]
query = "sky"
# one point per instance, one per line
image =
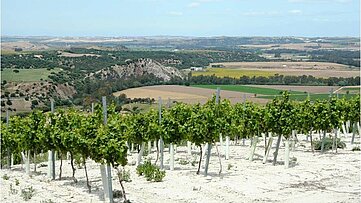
(199, 18)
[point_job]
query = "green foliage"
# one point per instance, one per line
(229, 166)
(151, 172)
(124, 175)
(6, 177)
(17, 182)
(281, 115)
(13, 191)
(47, 201)
(247, 89)
(328, 143)
(183, 162)
(27, 193)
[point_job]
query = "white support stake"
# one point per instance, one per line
(104, 181)
(344, 130)
(227, 147)
(205, 151)
(27, 163)
(287, 154)
(293, 146)
(171, 162)
(108, 185)
(140, 154)
(269, 146)
(221, 141)
(128, 151)
(161, 143)
(348, 125)
(12, 160)
(189, 149)
(49, 165)
(253, 148)
(149, 147)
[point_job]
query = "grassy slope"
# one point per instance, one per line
(247, 89)
(27, 75)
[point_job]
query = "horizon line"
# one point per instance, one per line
(174, 36)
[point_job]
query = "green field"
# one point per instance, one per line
(247, 89)
(233, 73)
(26, 75)
(313, 97)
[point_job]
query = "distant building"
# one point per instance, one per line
(196, 68)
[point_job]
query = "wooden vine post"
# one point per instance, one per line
(8, 149)
(161, 143)
(107, 184)
(51, 153)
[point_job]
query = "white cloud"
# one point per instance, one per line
(320, 19)
(175, 13)
(194, 4)
(199, 2)
(296, 11)
(261, 13)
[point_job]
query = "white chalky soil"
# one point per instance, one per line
(327, 177)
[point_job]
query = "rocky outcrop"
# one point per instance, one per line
(139, 68)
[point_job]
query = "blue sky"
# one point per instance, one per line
(180, 17)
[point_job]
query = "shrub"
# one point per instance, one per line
(6, 177)
(328, 144)
(8, 102)
(357, 148)
(13, 191)
(151, 172)
(159, 175)
(183, 162)
(27, 193)
(34, 102)
(124, 175)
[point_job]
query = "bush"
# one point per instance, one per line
(27, 193)
(6, 177)
(8, 102)
(328, 144)
(34, 102)
(357, 148)
(151, 172)
(124, 175)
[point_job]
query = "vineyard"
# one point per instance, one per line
(116, 141)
